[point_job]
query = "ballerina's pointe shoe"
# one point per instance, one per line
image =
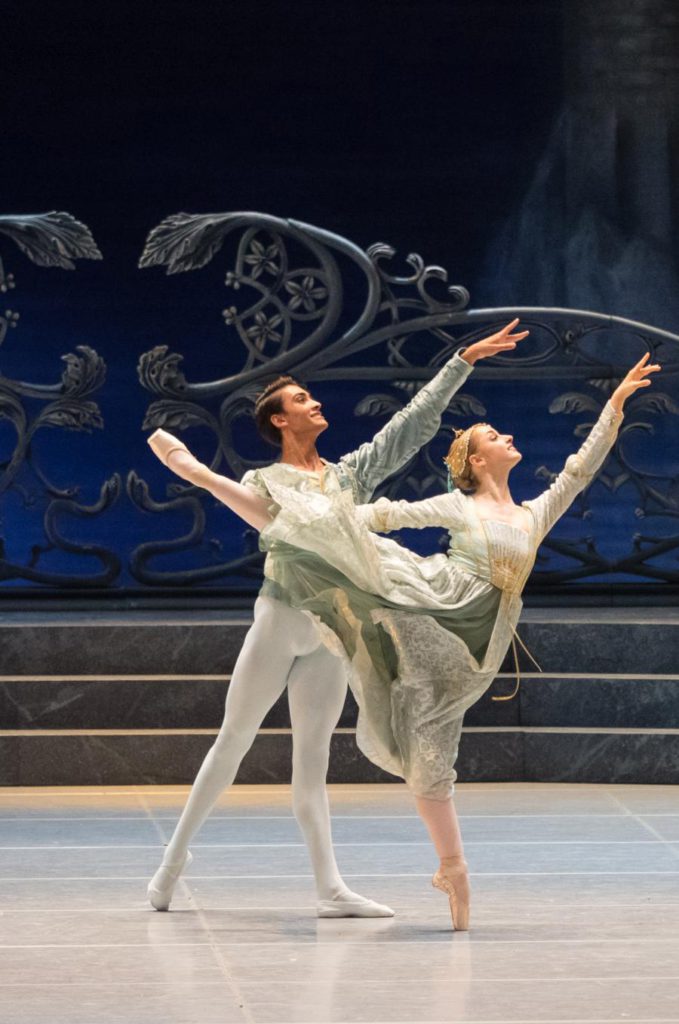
(162, 444)
(452, 878)
(161, 886)
(352, 906)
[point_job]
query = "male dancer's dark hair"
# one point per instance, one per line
(267, 404)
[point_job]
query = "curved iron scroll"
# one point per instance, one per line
(53, 239)
(307, 302)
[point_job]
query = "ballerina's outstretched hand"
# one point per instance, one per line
(638, 377)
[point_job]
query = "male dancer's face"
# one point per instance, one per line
(301, 416)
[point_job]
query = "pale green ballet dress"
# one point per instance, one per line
(424, 637)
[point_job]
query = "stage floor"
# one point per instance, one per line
(575, 913)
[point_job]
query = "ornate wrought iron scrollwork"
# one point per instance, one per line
(312, 304)
(656, 493)
(138, 492)
(52, 240)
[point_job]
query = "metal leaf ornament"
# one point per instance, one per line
(575, 401)
(84, 373)
(52, 239)
(185, 241)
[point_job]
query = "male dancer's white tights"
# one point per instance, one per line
(281, 649)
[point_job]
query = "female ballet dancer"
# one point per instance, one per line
(425, 636)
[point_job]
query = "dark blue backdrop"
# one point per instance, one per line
(432, 125)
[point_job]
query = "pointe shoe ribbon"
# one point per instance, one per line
(452, 878)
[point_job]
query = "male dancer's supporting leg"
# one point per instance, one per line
(278, 636)
(259, 677)
(317, 686)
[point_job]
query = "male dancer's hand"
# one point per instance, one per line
(501, 341)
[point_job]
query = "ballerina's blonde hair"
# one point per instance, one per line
(457, 459)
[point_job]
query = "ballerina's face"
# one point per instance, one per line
(301, 413)
(492, 450)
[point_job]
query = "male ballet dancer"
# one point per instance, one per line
(282, 648)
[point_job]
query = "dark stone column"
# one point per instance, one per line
(595, 228)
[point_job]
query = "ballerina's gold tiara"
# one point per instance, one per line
(456, 459)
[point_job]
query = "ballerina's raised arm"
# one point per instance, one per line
(481, 458)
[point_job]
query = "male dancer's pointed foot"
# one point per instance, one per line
(161, 886)
(350, 904)
(452, 878)
(162, 444)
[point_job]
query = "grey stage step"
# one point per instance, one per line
(197, 702)
(562, 640)
(166, 757)
(136, 697)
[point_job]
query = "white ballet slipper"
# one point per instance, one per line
(161, 886)
(353, 906)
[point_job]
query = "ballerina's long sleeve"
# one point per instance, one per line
(383, 515)
(578, 472)
(244, 501)
(444, 509)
